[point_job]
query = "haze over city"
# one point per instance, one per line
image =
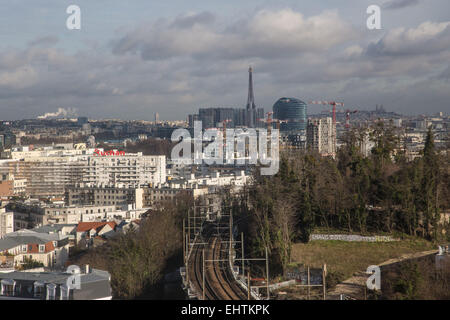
(130, 60)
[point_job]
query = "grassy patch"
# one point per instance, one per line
(349, 257)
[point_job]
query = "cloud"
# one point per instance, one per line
(399, 4)
(174, 66)
(46, 41)
(428, 37)
(20, 78)
(190, 19)
(267, 34)
(444, 75)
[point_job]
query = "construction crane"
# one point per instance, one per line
(347, 117)
(224, 124)
(331, 103)
(224, 128)
(268, 120)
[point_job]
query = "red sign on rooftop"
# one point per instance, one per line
(109, 153)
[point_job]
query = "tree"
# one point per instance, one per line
(430, 182)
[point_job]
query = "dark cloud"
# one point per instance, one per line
(189, 20)
(45, 41)
(399, 4)
(445, 75)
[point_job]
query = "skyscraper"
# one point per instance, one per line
(293, 111)
(251, 107)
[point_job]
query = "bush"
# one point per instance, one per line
(334, 278)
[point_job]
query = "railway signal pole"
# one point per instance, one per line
(203, 274)
(242, 252)
(249, 296)
(231, 236)
(184, 243)
(267, 273)
(187, 261)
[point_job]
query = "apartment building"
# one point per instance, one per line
(49, 249)
(321, 135)
(94, 284)
(118, 195)
(49, 172)
(236, 179)
(152, 197)
(6, 222)
(127, 169)
(63, 230)
(74, 214)
(9, 186)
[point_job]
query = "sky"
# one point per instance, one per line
(131, 59)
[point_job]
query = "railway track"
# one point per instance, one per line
(219, 281)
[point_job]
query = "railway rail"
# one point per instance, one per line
(219, 283)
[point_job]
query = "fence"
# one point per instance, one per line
(351, 237)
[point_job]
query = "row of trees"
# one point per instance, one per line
(138, 259)
(380, 193)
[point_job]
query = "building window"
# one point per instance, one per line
(41, 248)
(38, 289)
(24, 248)
(64, 292)
(51, 289)
(7, 287)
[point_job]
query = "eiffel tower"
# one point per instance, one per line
(251, 107)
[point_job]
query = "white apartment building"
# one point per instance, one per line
(320, 136)
(6, 222)
(75, 214)
(134, 169)
(237, 179)
(49, 172)
(25, 153)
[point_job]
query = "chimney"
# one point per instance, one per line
(86, 269)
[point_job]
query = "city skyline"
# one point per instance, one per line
(173, 59)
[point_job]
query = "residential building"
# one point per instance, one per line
(118, 195)
(49, 249)
(49, 172)
(74, 214)
(88, 231)
(11, 187)
(94, 284)
(152, 197)
(6, 222)
(320, 136)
